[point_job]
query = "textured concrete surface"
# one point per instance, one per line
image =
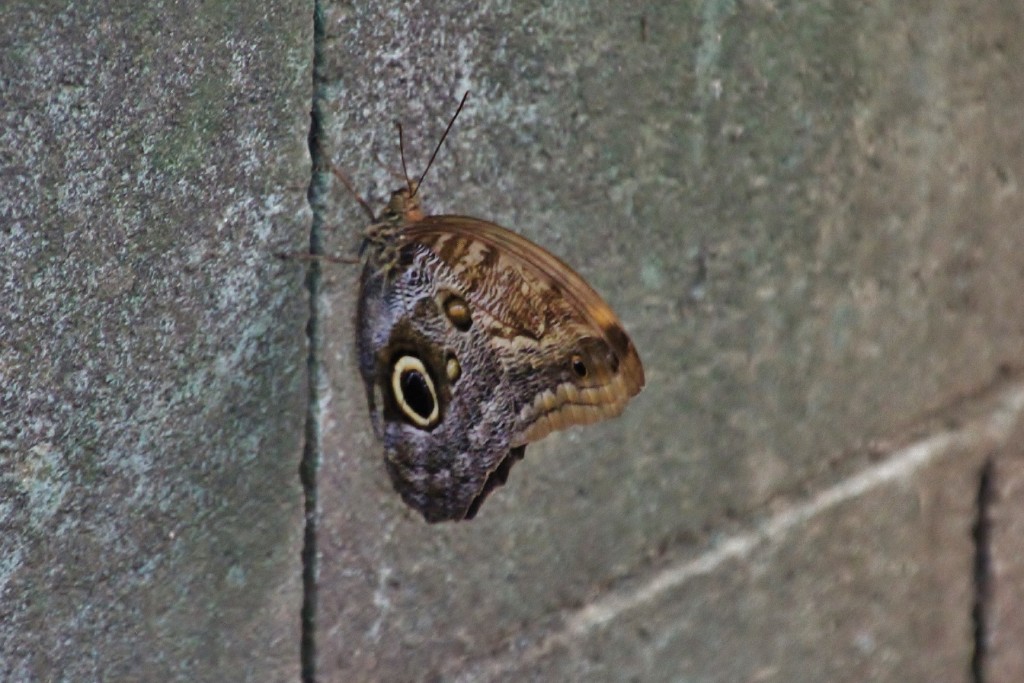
(807, 215)
(152, 349)
(1002, 593)
(819, 576)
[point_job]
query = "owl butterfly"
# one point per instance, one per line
(473, 342)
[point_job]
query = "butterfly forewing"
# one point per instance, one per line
(565, 349)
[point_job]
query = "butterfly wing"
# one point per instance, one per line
(565, 354)
(438, 395)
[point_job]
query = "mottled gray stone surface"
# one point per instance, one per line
(823, 600)
(153, 157)
(1003, 594)
(807, 215)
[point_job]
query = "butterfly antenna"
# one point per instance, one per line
(401, 153)
(413, 190)
(350, 186)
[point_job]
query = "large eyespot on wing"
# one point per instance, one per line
(413, 391)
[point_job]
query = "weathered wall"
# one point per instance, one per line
(152, 349)
(806, 214)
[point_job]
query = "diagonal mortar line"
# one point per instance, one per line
(993, 429)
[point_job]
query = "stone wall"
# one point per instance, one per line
(808, 216)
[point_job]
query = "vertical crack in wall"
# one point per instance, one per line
(982, 571)
(310, 465)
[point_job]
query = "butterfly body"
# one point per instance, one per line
(473, 342)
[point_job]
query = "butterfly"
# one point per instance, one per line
(472, 343)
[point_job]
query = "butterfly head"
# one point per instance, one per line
(404, 207)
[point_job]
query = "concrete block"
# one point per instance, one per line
(153, 158)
